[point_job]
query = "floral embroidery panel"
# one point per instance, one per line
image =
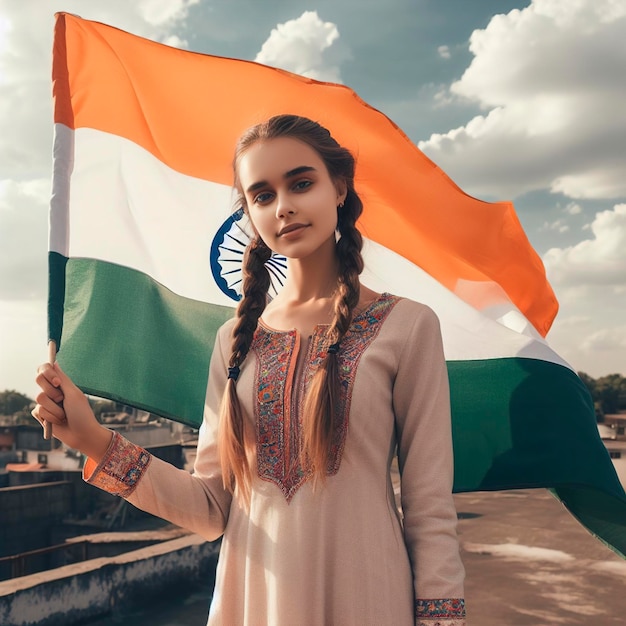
(279, 419)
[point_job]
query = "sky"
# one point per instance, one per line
(515, 100)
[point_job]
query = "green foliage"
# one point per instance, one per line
(608, 392)
(12, 402)
(590, 383)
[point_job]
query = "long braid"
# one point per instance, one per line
(350, 262)
(323, 394)
(256, 282)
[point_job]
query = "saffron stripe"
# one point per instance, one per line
(411, 206)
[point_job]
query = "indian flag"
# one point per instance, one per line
(146, 247)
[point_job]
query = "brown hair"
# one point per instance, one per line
(322, 396)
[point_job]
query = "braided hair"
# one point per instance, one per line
(321, 399)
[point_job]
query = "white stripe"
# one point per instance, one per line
(129, 208)
(63, 163)
(468, 334)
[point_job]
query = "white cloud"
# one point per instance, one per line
(306, 46)
(558, 225)
(589, 332)
(606, 339)
(443, 52)
(601, 260)
(573, 208)
(590, 282)
(175, 41)
(23, 338)
(159, 12)
(602, 182)
(550, 79)
(442, 98)
(574, 320)
(23, 238)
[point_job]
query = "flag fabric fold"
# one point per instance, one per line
(145, 254)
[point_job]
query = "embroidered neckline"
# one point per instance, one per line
(278, 413)
(381, 298)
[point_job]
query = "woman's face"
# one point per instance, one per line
(292, 200)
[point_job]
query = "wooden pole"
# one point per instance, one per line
(52, 355)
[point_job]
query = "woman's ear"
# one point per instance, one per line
(342, 191)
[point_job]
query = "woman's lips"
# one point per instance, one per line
(291, 229)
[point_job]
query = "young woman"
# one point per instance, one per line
(310, 397)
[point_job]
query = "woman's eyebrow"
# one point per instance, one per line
(290, 174)
(299, 170)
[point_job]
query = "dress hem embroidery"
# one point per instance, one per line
(440, 612)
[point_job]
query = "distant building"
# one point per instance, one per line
(617, 423)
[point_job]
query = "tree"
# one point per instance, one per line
(589, 382)
(608, 392)
(12, 402)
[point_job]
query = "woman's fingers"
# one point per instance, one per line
(48, 371)
(47, 409)
(35, 414)
(49, 401)
(55, 394)
(49, 381)
(62, 404)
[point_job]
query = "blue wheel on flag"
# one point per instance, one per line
(227, 251)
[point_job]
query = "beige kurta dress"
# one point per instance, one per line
(339, 554)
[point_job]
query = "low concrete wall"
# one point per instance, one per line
(27, 513)
(30, 514)
(87, 590)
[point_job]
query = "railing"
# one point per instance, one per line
(35, 561)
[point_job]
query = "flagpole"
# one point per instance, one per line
(52, 353)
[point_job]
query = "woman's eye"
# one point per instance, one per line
(263, 197)
(302, 184)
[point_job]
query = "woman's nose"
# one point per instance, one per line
(284, 206)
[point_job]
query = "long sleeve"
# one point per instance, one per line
(195, 501)
(422, 408)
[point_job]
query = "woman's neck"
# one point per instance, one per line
(311, 279)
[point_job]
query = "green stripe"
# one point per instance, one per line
(525, 423)
(517, 422)
(119, 327)
(56, 295)
(603, 515)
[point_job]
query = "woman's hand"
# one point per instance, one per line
(66, 407)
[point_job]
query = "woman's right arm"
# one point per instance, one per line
(195, 501)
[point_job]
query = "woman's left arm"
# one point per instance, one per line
(421, 402)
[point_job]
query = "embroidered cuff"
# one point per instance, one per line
(121, 468)
(440, 612)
